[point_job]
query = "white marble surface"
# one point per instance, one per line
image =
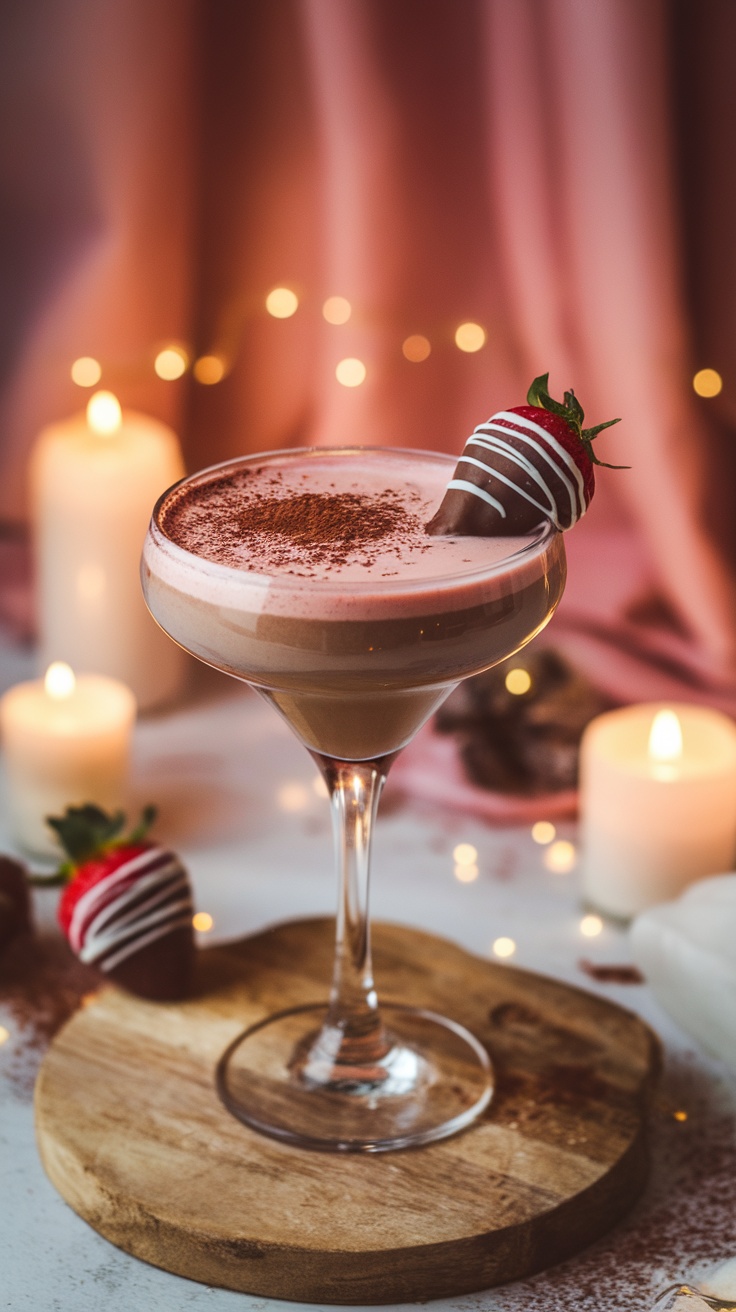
(237, 798)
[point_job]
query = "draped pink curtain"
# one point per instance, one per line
(511, 162)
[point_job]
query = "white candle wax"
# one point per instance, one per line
(94, 484)
(66, 742)
(655, 817)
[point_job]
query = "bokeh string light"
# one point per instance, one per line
(86, 371)
(171, 363)
(351, 372)
(336, 310)
(708, 383)
(174, 360)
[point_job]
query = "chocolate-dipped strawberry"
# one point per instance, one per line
(523, 466)
(127, 908)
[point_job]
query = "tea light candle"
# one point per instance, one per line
(66, 742)
(94, 481)
(657, 803)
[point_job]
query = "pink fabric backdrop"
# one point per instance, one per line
(507, 161)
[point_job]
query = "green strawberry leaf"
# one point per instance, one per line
(87, 831)
(571, 411)
(148, 815)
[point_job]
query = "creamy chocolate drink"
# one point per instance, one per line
(310, 574)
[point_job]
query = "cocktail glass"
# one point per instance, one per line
(355, 668)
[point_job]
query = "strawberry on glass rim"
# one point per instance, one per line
(524, 465)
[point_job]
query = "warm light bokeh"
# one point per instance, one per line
(209, 369)
(543, 832)
(337, 310)
(504, 947)
(591, 926)
(707, 382)
(416, 348)
(282, 303)
(171, 363)
(350, 372)
(86, 371)
(518, 682)
(560, 857)
(470, 337)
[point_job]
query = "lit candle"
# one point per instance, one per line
(66, 742)
(95, 479)
(657, 803)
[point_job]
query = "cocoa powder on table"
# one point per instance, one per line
(684, 1223)
(42, 984)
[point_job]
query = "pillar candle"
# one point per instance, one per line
(657, 803)
(94, 481)
(66, 741)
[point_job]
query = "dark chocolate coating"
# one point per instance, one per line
(462, 513)
(161, 971)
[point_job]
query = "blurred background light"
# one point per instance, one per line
(171, 363)
(707, 382)
(470, 337)
(416, 348)
(86, 371)
(209, 369)
(336, 309)
(282, 303)
(350, 372)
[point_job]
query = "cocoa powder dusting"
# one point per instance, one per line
(324, 527)
(42, 984)
(254, 519)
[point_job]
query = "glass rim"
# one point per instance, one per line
(545, 535)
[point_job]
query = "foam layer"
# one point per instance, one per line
(228, 536)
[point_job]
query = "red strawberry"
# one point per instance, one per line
(524, 465)
(128, 906)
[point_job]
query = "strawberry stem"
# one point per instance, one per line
(87, 831)
(572, 413)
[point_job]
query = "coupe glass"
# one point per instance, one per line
(355, 669)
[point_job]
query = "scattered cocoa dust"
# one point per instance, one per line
(685, 1223)
(41, 985)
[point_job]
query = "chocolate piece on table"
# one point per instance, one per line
(15, 901)
(528, 743)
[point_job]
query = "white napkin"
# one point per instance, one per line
(686, 951)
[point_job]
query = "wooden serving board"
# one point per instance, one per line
(132, 1134)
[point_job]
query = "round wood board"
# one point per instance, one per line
(131, 1131)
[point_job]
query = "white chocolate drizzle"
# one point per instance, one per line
(141, 901)
(502, 434)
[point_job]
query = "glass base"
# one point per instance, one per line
(432, 1080)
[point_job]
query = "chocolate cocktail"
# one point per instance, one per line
(311, 575)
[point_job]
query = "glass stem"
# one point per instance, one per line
(353, 1030)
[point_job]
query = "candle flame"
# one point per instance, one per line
(59, 681)
(665, 737)
(104, 415)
